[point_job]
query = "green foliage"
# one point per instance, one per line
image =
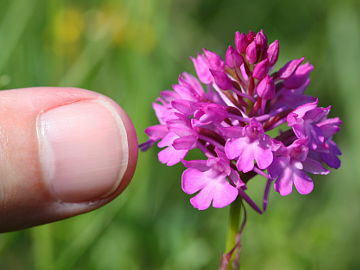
(130, 50)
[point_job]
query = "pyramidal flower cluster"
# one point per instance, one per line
(228, 111)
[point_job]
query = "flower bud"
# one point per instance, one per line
(266, 88)
(261, 69)
(233, 58)
(261, 39)
(251, 53)
(241, 42)
(273, 52)
(261, 43)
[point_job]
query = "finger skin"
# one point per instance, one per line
(25, 200)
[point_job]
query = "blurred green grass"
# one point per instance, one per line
(130, 50)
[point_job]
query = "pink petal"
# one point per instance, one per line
(192, 82)
(183, 106)
(224, 195)
(185, 143)
(170, 156)
(303, 109)
(216, 190)
(163, 113)
(284, 183)
(185, 92)
(315, 167)
(222, 80)
(277, 166)
(202, 69)
(330, 126)
(317, 114)
(302, 182)
(245, 161)
(203, 199)
(211, 113)
(193, 180)
(156, 132)
(289, 68)
(299, 77)
(200, 165)
(180, 126)
(234, 148)
(263, 157)
(169, 96)
(168, 139)
(214, 60)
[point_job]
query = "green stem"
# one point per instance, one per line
(232, 245)
(234, 224)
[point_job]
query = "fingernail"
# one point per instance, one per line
(83, 150)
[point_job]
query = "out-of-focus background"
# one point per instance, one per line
(130, 50)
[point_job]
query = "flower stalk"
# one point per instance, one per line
(237, 221)
(232, 239)
(234, 224)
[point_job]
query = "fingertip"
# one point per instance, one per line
(132, 148)
(85, 149)
(68, 151)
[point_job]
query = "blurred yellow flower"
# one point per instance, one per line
(141, 36)
(68, 25)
